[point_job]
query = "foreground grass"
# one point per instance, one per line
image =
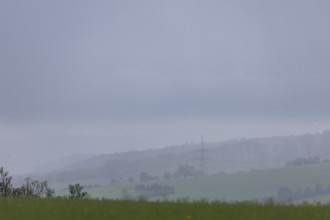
(16, 209)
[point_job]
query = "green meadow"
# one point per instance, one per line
(65, 209)
(240, 186)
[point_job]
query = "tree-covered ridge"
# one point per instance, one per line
(227, 156)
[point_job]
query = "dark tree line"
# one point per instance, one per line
(32, 188)
(285, 194)
(303, 161)
(154, 190)
(187, 171)
(144, 177)
(306, 161)
(183, 171)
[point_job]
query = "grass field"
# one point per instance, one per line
(234, 187)
(252, 185)
(63, 209)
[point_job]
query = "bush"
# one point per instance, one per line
(76, 191)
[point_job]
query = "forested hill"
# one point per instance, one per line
(227, 156)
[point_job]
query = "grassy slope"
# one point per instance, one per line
(233, 187)
(51, 209)
(251, 185)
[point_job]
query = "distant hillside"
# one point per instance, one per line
(62, 163)
(312, 182)
(254, 184)
(100, 160)
(227, 156)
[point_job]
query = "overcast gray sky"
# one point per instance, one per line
(104, 76)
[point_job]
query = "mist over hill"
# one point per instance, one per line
(218, 157)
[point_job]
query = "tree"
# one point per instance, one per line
(76, 191)
(146, 177)
(318, 189)
(17, 192)
(167, 176)
(284, 194)
(5, 183)
(48, 192)
(34, 188)
(187, 171)
(308, 192)
(130, 179)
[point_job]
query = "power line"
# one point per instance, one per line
(202, 156)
